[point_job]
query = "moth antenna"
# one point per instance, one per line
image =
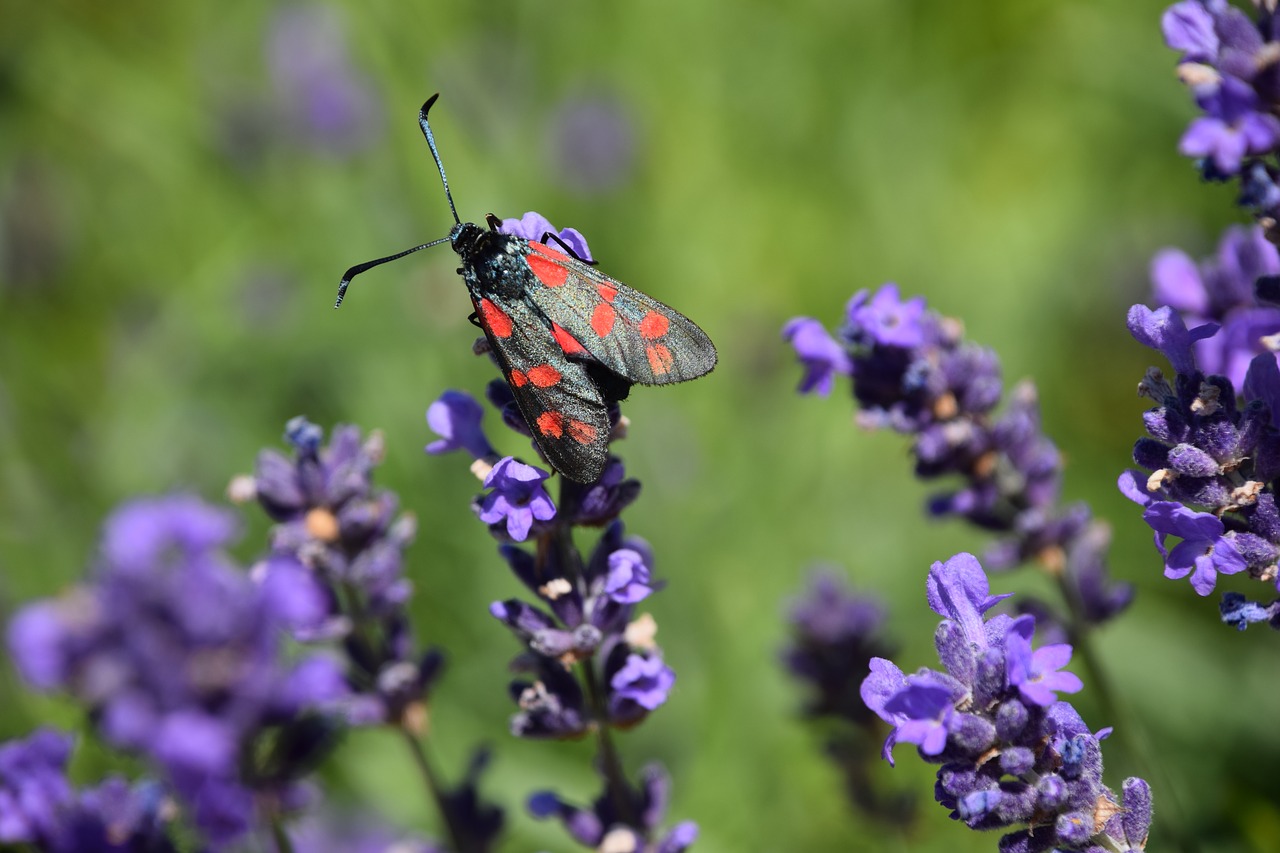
(368, 265)
(431, 142)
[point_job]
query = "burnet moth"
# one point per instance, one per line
(569, 339)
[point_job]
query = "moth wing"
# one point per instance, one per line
(562, 406)
(629, 332)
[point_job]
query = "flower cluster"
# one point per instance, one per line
(913, 372)
(1011, 753)
(835, 634)
(590, 664)
(1220, 290)
(1229, 62)
(1211, 457)
(176, 652)
(40, 807)
(348, 535)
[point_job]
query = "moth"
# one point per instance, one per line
(569, 339)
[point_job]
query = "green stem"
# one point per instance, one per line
(436, 790)
(279, 836)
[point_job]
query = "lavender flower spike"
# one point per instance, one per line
(1012, 756)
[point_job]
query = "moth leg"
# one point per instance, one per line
(494, 222)
(566, 247)
(474, 320)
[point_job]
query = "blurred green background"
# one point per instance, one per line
(181, 184)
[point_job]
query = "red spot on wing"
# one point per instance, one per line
(518, 378)
(582, 432)
(654, 325)
(602, 319)
(551, 424)
(660, 359)
(495, 319)
(607, 291)
(544, 249)
(567, 342)
(544, 375)
(548, 272)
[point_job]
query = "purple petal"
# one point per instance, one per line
(1176, 282)
(1188, 27)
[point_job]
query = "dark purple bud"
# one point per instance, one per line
(1151, 454)
(1075, 828)
(1011, 719)
(954, 651)
(1191, 461)
(1135, 820)
(977, 805)
(1052, 792)
(971, 733)
(1017, 760)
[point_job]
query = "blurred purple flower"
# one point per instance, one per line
(818, 352)
(326, 101)
(593, 141)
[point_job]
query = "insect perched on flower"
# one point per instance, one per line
(569, 339)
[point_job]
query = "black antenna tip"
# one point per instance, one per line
(423, 112)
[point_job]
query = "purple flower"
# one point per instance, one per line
(326, 102)
(518, 498)
(33, 785)
(40, 808)
(886, 319)
(1010, 755)
(1204, 551)
(456, 416)
(643, 680)
(1035, 673)
(1188, 27)
(821, 356)
(628, 580)
(922, 711)
(1234, 127)
(958, 589)
(534, 226)
(178, 655)
(1164, 330)
(593, 137)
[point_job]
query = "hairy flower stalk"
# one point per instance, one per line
(1229, 62)
(1012, 755)
(913, 372)
(590, 665)
(348, 535)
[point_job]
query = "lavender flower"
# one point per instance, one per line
(1212, 453)
(593, 140)
(177, 654)
(589, 665)
(912, 372)
(39, 807)
(326, 102)
(1228, 61)
(534, 226)
(517, 500)
(1220, 290)
(1012, 755)
(344, 534)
